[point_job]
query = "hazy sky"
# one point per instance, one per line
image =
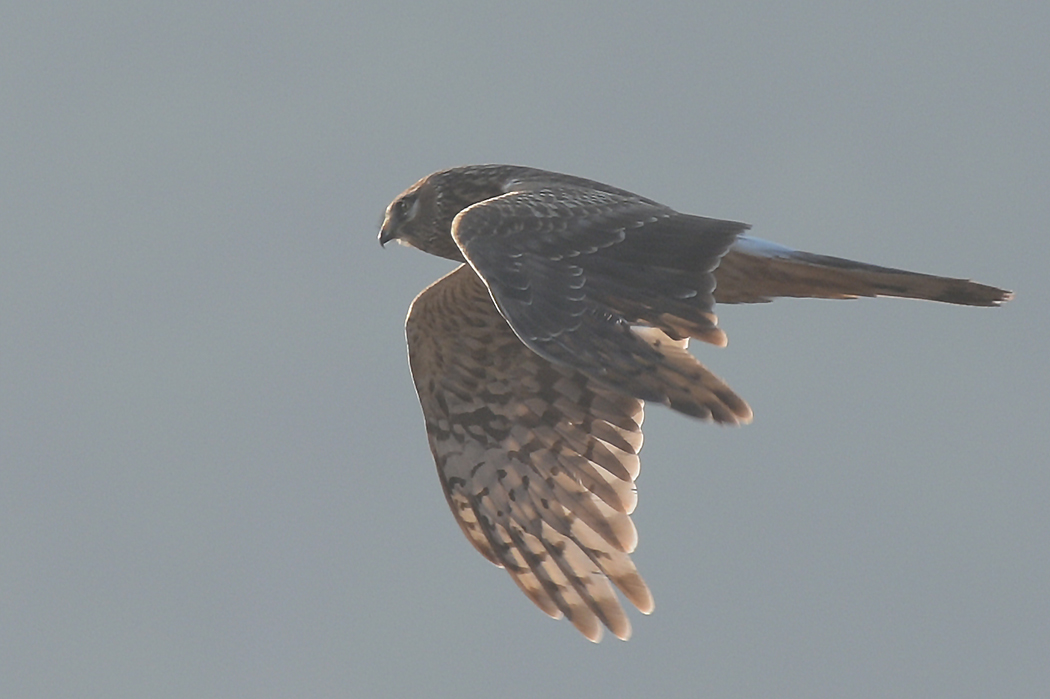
(214, 479)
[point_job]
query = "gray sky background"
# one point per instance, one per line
(215, 480)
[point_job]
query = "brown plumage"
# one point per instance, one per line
(533, 359)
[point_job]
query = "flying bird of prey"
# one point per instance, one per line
(532, 359)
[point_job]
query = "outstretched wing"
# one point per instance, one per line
(537, 460)
(575, 271)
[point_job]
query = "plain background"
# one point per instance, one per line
(214, 478)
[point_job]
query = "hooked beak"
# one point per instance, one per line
(386, 232)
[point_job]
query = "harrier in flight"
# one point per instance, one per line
(533, 358)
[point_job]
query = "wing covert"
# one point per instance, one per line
(574, 270)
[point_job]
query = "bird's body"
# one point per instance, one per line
(533, 359)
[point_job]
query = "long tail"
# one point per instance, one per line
(755, 270)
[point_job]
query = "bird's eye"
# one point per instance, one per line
(406, 207)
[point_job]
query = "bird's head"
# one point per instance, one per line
(422, 215)
(419, 218)
(408, 218)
